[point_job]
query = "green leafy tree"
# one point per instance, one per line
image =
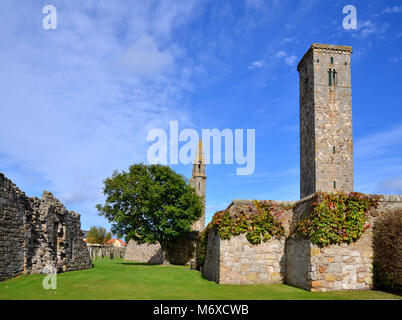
(98, 235)
(150, 203)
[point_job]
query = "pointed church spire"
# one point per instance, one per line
(198, 182)
(199, 155)
(199, 162)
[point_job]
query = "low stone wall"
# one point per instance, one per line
(38, 235)
(144, 252)
(237, 261)
(179, 252)
(294, 260)
(102, 251)
(336, 267)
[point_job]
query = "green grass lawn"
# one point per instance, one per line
(115, 279)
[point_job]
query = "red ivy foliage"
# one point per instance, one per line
(336, 218)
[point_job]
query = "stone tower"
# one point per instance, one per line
(326, 136)
(198, 183)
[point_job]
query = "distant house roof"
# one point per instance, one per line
(113, 240)
(84, 234)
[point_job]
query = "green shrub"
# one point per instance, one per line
(388, 252)
(201, 249)
(336, 218)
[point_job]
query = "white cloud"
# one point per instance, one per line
(280, 54)
(256, 64)
(395, 59)
(256, 4)
(379, 143)
(390, 186)
(288, 40)
(71, 111)
(290, 60)
(144, 58)
(367, 28)
(394, 9)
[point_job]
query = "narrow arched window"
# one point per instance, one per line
(330, 77)
(334, 77)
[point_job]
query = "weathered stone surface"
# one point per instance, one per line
(326, 135)
(293, 260)
(98, 250)
(180, 252)
(39, 234)
(145, 252)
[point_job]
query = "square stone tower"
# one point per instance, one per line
(326, 134)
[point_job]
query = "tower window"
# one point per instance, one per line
(334, 74)
(346, 63)
(334, 184)
(332, 60)
(333, 149)
(330, 77)
(318, 60)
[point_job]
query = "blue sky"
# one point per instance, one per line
(77, 102)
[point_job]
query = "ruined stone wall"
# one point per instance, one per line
(293, 259)
(143, 252)
(38, 235)
(179, 252)
(336, 267)
(102, 251)
(237, 261)
(13, 208)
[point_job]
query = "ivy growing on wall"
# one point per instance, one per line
(260, 225)
(336, 218)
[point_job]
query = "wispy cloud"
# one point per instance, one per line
(367, 28)
(145, 59)
(394, 9)
(395, 59)
(81, 99)
(256, 64)
(289, 59)
(280, 54)
(390, 186)
(288, 40)
(379, 143)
